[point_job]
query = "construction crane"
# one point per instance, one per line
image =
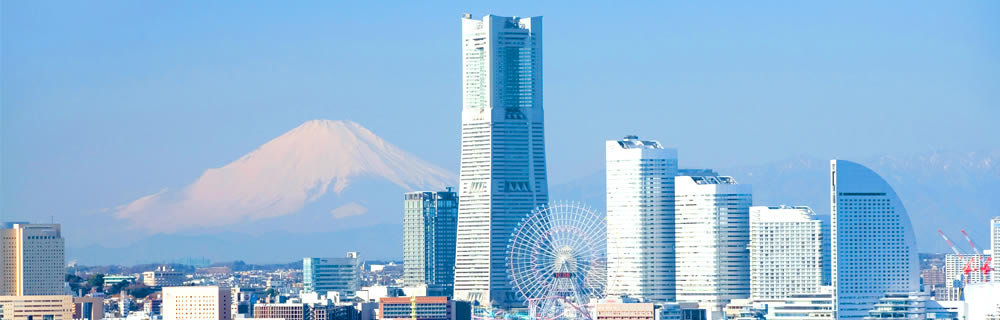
(986, 268)
(973, 245)
(968, 269)
(968, 264)
(950, 244)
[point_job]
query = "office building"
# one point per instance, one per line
(932, 277)
(787, 253)
(36, 307)
(502, 175)
(287, 311)
(681, 311)
(640, 208)
(712, 219)
(415, 308)
(942, 293)
(624, 311)
(804, 306)
(342, 275)
(34, 260)
(912, 305)
(163, 276)
(874, 249)
(430, 222)
(745, 309)
(995, 247)
(153, 304)
(197, 303)
(329, 311)
(88, 308)
(961, 270)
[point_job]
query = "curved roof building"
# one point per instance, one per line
(874, 249)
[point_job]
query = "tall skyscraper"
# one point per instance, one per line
(995, 248)
(342, 275)
(502, 176)
(429, 225)
(787, 253)
(640, 183)
(874, 249)
(34, 261)
(712, 220)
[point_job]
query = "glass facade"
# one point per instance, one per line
(429, 228)
(874, 249)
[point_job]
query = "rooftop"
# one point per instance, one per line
(713, 180)
(633, 142)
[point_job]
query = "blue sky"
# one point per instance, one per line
(104, 102)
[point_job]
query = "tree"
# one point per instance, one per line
(96, 281)
(117, 287)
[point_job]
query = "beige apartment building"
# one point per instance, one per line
(197, 303)
(624, 311)
(36, 307)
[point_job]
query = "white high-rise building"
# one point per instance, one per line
(712, 221)
(197, 303)
(874, 249)
(33, 260)
(640, 184)
(954, 269)
(503, 175)
(995, 248)
(323, 275)
(786, 252)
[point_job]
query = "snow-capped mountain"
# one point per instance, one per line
(286, 175)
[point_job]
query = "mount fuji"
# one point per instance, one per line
(321, 183)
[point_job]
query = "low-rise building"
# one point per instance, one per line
(163, 276)
(153, 304)
(624, 311)
(415, 308)
(682, 311)
(910, 306)
(933, 277)
(943, 293)
(197, 303)
(88, 308)
(287, 311)
(36, 307)
(804, 306)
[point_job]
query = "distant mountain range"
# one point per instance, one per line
(950, 191)
(327, 187)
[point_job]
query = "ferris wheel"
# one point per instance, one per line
(557, 260)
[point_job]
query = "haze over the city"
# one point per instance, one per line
(115, 117)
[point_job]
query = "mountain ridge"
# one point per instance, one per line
(282, 176)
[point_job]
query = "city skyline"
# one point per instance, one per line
(676, 240)
(127, 145)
